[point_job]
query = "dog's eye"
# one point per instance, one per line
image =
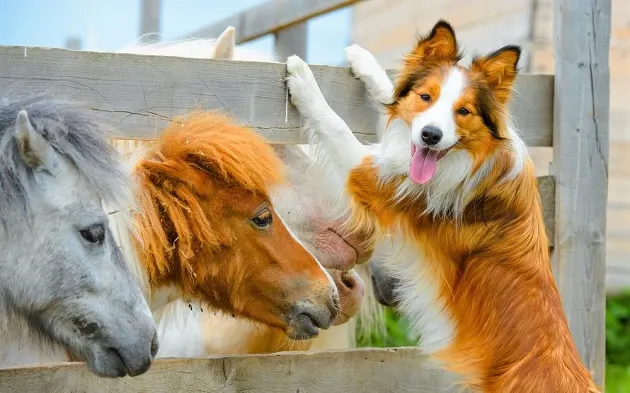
(94, 234)
(425, 97)
(463, 111)
(263, 219)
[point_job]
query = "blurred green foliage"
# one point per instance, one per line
(397, 333)
(617, 340)
(618, 343)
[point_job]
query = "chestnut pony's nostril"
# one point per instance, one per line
(336, 302)
(154, 346)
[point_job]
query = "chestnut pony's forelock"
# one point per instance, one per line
(180, 175)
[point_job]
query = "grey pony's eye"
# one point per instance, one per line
(94, 234)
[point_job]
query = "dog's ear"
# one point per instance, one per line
(225, 44)
(499, 70)
(439, 44)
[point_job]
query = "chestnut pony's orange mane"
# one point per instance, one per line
(174, 178)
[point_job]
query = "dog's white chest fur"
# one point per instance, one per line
(418, 292)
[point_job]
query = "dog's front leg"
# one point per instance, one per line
(338, 150)
(365, 67)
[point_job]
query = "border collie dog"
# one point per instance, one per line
(452, 181)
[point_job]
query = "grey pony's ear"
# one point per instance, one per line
(224, 46)
(35, 150)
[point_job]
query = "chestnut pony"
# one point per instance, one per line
(301, 203)
(206, 231)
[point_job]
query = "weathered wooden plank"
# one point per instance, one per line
(139, 94)
(365, 370)
(270, 17)
(580, 165)
(291, 41)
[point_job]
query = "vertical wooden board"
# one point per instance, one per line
(150, 20)
(581, 127)
(291, 41)
(73, 43)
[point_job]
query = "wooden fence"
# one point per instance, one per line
(139, 94)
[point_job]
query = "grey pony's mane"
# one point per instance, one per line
(75, 133)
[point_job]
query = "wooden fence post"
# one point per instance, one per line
(580, 165)
(150, 20)
(73, 43)
(291, 41)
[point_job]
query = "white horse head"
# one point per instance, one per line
(64, 285)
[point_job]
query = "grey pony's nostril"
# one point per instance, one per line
(154, 346)
(431, 135)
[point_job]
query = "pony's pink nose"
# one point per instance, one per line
(333, 252)
(356, 242)
(351, 290)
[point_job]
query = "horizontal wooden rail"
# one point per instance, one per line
(270, 17)
(139, 94)
(397, 370)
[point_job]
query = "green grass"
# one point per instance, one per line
(618, 343)
(617, 379)
(397, 333)
(617, 340)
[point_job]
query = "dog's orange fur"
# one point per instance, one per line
(492, 265)
(199, 186)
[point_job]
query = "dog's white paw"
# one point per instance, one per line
(362, 63)
(296, 67)
(305, 93)
(365, 67)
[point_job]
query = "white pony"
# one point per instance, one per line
(192, 333)
(65, 288)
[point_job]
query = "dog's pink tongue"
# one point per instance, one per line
(423, 165)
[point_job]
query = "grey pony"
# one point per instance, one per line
(64, 284)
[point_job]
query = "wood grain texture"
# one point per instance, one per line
(365, 370)
(580, 165)
(139, 94)
(270, 17)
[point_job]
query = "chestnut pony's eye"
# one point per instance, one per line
(94, 234)
(425, 97)
(263, 219)
(463, 111)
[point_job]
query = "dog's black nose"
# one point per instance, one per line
(431, 135)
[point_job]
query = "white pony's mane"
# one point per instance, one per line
(196, 48)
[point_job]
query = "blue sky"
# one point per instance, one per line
(110, 25)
